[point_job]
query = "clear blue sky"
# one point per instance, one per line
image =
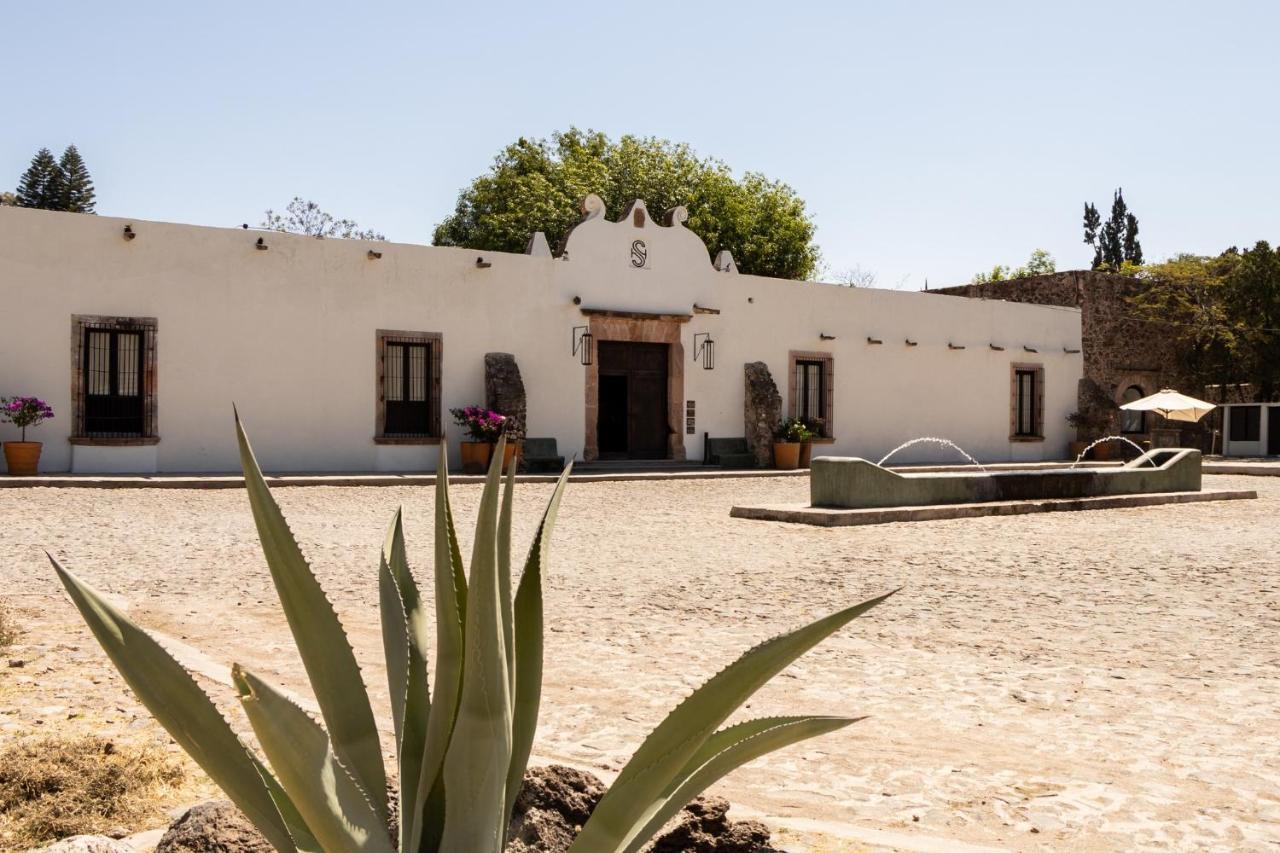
(928, 139)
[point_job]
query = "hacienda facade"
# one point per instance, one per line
(631, 342)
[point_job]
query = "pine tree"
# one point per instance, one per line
(77, 186)
(41, 185)
(1132, 248)
(1092, 222)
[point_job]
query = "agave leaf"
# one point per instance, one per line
(450, 599)
(333, 804)
(330, 663)
(475, 767)
(724, 752)
(504, 573)
(526, 667)
(404, 640)
(675, 741)
(172, 696)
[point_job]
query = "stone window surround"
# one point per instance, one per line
(149, 326)
(436, 341)
(1014, 368)
(793, 403)
(636, 327)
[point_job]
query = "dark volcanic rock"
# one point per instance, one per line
(504, 389)
(213, 827)
(762, 411)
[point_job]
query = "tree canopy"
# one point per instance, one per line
(537, 185)
(1225, 312)
(1115, 242)
(50, 184)
(1040, 263)
(306, 217)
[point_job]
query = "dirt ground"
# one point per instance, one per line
(1088, 680)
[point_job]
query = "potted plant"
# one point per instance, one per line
(815, 428)
(23, 457)
(786, 445)
(483, 426)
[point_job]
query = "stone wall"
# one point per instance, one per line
(762, 411)
(1121, 349)
(504, 389)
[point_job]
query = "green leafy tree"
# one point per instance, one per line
(306, 217)
(77, 195)
(1115, 242)
(1040, 263)
(1224, 312)
(8, 199)
(41, 185)
(537, 184)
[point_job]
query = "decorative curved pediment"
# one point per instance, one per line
(636, 241)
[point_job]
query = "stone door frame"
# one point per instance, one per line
(635, 327)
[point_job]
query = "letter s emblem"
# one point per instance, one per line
(639, 254)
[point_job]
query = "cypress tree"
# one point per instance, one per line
(41, 185)
(1132, 248)
(77, 187)
(1092, 222)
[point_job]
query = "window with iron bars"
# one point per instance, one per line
(408, 385)
(113, 386)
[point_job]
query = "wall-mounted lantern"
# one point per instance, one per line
(261, 245)
(582, 344)
(373, 256)
(706, 350)
(129, 233)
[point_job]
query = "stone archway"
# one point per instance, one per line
(636, 327)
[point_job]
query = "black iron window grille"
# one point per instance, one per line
(115, 378)
(410, 387)
(811, 390)
(1026, 419)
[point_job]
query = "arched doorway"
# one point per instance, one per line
(1132, 423)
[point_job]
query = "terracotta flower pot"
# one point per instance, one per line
(22, 457)
(1104, 452)
(806, 453)
(475, 456)
(786, 455)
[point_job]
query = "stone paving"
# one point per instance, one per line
(1085, 681)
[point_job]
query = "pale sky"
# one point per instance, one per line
(930, 140)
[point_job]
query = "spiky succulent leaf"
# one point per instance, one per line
(678, 738)
(404, 640)
(475, 766)
(504, 573)
(724, 752)
(527, 664)
(450, 600)
(330, 663)
(334, 805)
(172, 696)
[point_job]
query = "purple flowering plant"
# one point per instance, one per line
(23, 412)
(480, 423)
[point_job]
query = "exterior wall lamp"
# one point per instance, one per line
(261, 245)
(706, 350)
(582, 342)
(129, 233)
(481, 263)
(373, 256)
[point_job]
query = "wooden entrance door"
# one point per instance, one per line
(632, 420)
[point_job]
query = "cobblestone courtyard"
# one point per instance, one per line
(1088, 680)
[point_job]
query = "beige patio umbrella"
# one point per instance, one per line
(1172, 405)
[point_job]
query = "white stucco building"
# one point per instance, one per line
(346, 355)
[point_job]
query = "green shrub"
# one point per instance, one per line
(463, 745)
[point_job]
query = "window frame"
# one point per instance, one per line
(1036, 371)
(147, 327)
(1253, 425)
(828, 386)
(434, 343)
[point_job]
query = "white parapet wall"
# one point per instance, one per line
(289, 334)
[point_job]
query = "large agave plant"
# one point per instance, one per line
(463, 746)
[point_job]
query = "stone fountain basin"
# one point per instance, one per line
(852, 483)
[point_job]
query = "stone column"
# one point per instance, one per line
(504, 389)
(762, 412)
